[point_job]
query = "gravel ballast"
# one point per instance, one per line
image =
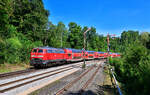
(28, 88)
(74, 90)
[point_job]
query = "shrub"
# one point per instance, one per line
(134, 70)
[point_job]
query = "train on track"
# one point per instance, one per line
(48, 56)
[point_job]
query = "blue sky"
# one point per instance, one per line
(107, 16)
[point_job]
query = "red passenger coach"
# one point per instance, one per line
(45, 56)
(86, 55)
(90, 55)
(118, 55)
(101, 54)
(96, 56)
(106, 55)
(75, 54)
(113, 55)
(68, 54)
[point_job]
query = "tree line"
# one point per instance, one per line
(24, 25)
(133, 68)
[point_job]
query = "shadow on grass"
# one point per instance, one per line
(88, 92)
(106, 90)
(100, 90)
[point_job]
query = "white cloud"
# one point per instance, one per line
(118, 32)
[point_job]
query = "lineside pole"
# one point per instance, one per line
(84, 34)
(84, 51)
(108, 44)
(109, 67)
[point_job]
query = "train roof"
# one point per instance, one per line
(114, 53)
(101, 52)
(90, 51)
(46, 47)
(74, 50)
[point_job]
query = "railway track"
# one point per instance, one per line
(23, 81)
(90, 80)
(10, 74)
(16, 73)
(82, 88)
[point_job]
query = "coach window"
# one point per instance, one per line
(49, 51)
(53, 51)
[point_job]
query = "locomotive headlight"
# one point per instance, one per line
(40, 56)
(32, 55)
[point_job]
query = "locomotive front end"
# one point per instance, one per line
(37, 57)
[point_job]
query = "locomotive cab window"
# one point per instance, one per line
(35, 50)
(40, 51)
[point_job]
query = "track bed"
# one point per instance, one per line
(75, 89)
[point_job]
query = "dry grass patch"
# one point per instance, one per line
(4, 68)
(106, 88)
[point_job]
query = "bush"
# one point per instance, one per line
(13, 46)
(114, 61)
(133, 71)
(28, 45)
(2, 48)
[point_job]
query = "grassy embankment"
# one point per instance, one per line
(4, 68)
(107, 85)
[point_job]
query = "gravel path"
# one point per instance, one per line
(91, 90)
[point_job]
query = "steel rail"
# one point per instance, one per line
(61, 91)
(22, 84)
(91, 78)
(9, 74)
(11, 82)
(16, 73)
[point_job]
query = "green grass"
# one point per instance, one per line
(108, 87)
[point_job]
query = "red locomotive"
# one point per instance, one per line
(48, 56)
(43, 56)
